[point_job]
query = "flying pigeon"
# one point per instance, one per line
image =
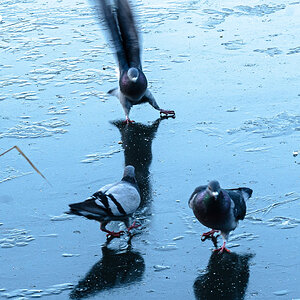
(219, 209)
(132, 88)
(113, 202)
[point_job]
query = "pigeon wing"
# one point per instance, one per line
(124, 198)
(239, 197)
(129, 34)
(90, 209)
(105, 11)
(105, 188)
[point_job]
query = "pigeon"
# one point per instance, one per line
(113, 202)
(219, 209)
(133, 83)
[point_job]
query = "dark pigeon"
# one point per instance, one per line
(113, 202)
(219, 209)
(133, 84)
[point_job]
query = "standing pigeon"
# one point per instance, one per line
(219, 209)
(113, 202)
(132, 88)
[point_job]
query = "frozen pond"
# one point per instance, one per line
(230, 70)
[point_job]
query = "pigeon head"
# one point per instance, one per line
(129, 171)
(133, 83)
(129, 174)
(214, 189)
(133, 74)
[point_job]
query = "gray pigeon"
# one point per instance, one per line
(133, 84)
(113, 202)
(219, 209)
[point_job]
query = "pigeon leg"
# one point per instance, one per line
(208, 235)
(110, 234)
(222, 249)
(126, 104)
(134, 225)
(128, 121)
(149, 98)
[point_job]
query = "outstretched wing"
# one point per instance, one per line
(105, 11)
(129, 34)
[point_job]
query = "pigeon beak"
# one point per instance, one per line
(215, 194)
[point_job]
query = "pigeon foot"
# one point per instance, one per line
(128, 121)
(167, 113)
(222, 249)
(134, 225)
(208, 235)
(113, 234)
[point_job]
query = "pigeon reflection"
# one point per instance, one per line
(117, 268)
(137, 144)
(226, 277)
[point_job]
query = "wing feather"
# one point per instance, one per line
(126, 195)
(105, 11)
(129, 34)
(239, 197)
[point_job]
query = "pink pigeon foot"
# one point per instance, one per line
(208, 235)
(134, 225)
(167, 113)
(222, 249)
(111, 234)
(128, 121)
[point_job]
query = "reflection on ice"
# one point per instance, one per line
(226, 277)
(116, 268)
(137, 143)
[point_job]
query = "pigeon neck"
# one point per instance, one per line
(129, 179)
(210, 201)
(207, 198)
